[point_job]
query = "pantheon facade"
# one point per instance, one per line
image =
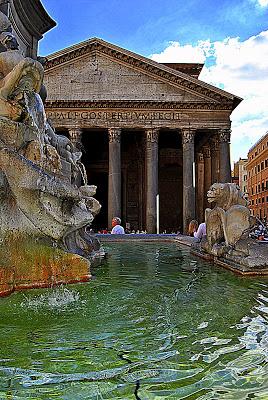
(151, 133)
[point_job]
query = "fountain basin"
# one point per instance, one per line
(26, 264)
(156, 322)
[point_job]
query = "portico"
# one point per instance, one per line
(171, 138)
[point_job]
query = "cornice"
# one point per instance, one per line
(123, 104)
(142, 63)
(263, 138)
(192, 69)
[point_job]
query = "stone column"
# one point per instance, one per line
(76, 136)
(151, 178)
(225, 163)
(114, 183)
(215, 159)
(188, 177)
(200, 187)
(207, 173)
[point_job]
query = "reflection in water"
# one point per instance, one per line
(155, 323)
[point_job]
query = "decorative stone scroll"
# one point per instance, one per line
(225, 135)
(152, 135)
(114, 135)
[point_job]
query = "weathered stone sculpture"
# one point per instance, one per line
(229, 218)
(19, 75)
(228, 225)
(40, 204)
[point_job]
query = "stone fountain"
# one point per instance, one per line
(228, 225)
(45, 211)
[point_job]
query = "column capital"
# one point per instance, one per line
(75, 133)
(114, 135)
(206, 152)
(200, 157)
(225, 135)
(214, 144)
(152, 135)
(187, 135)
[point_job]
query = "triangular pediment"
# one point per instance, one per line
(97, 70)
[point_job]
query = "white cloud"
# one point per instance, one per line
(239, 67)
(263, 3)
(175, 52)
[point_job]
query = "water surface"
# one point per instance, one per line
(155, 323)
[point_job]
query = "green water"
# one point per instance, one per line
(155, 323)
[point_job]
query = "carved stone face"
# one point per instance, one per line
(216, 192)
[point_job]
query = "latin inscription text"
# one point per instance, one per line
(115, 115)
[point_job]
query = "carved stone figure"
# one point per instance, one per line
(18, 75)
(66, 151)
(229, 218)
(228, 225)
(40, 203)
(5, 24)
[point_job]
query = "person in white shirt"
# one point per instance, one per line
(117, 228)
(201, 232)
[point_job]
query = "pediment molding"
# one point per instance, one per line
(144, 64)
(158, 105)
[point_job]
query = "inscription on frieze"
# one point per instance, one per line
(116, 115)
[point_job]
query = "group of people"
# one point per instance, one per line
(260, 232)
(198, 232)
(195, 230)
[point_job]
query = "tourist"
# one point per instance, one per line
(117, 228)
(193, 225)
(201, 232)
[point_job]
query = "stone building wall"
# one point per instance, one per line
(257, 171)
(240, 172)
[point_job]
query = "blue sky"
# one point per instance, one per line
(229, 36)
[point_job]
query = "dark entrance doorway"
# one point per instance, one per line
(170, 181)
(95, 159)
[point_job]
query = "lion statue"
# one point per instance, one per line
(229, 218)
(225, 195)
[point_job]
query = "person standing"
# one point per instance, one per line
(117, 228)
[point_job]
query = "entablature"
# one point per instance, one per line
(133, 115)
